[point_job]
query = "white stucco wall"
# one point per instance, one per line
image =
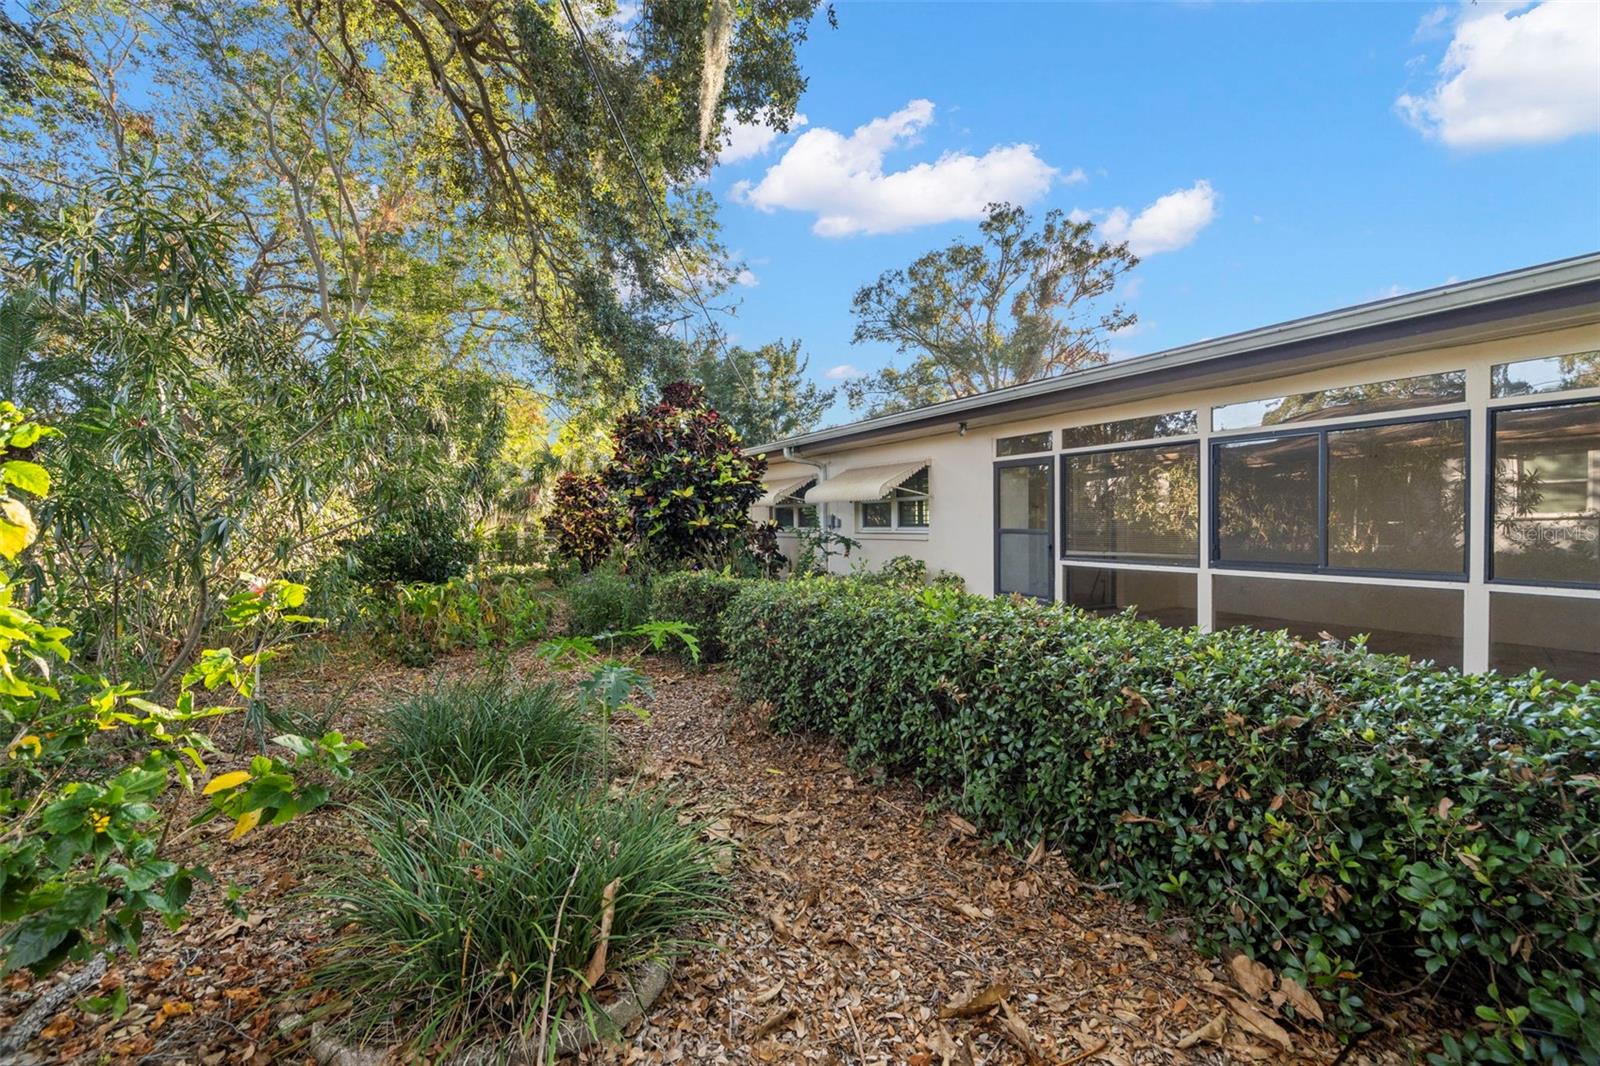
(961, 475)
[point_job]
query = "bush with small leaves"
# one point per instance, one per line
(1345, 816)
(606, 602)
(698, 597)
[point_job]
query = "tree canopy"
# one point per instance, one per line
(1020, 304)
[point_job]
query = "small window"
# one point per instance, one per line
(1378, 397)
(1547, 494)
(1023, 444)
(906, 507)
(791, 516)
(1266, 501)
(877, 515)
(1128, 430)
(1557, 373)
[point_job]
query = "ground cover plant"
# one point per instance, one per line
(1349, 818)
(494, 908)
(482, 729)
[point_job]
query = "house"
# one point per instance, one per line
(1424, 469)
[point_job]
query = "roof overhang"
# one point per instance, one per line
(1551, 296)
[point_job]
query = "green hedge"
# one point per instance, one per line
(698, 597)
(605, 602)
(1347, 817)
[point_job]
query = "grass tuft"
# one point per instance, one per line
(457, 899)
(465, 731)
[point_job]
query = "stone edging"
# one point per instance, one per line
(641, 987)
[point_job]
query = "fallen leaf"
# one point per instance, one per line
(1211, 1033)
(597, 961)
(961, 825)
(1254, 978)
(988, 999)
(1037, 853)
(1304, 1003)
(774, 1021)
(1015, 1028)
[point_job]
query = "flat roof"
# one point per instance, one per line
(1546, 296)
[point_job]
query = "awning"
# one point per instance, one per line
(783, 487)
(864, 483)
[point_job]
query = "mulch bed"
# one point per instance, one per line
(866, 928)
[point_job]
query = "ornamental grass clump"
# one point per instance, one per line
(477, 911)
(1356, 820)
(464, 731)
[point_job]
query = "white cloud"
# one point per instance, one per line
(1514, 75)
(746, 140)
(842, 371)
(841, 179)
(746, 277)
(1170, 223)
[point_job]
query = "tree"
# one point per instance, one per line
(682, 478)
(1021, 305)
(513, 182)
(761, 392)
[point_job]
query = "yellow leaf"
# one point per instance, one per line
(228, 780)
(29, 741)
(17, 530)
(247, 821)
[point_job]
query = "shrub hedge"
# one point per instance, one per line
(698, 597)
(604, 601)
(1347, 817)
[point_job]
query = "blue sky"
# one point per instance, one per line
(1310, 155)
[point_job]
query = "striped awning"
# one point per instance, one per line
(780, 488)
(864, 483)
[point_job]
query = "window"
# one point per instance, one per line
(1556, 373)
(791, 516)
(792, 511)
(1133, 504)
(1557, 634)
(1128, 430)
(1397, 497)
(1164, 596)
(1266, 500)
(1024, 444)
(905, 508)
(1386, 498)
(1547, 494)
(1425, 390)
(1424, 623)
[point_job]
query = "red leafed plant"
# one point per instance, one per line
(584, 520)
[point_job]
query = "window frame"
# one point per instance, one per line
(789, 503)
(1511, 404)
(1049, 436)
(1321, 432)
(1066, 556)
(893, 499)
